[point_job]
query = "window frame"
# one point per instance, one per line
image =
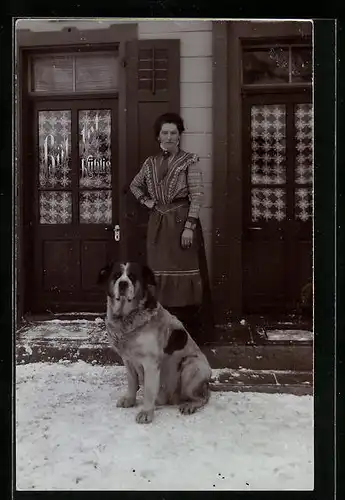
(73, 52)
(290, 100)
(289, 44)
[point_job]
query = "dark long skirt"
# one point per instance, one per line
(181, 274)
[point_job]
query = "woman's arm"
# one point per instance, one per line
(138, 185)
(196, 192)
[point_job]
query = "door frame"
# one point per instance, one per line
(291, 230)
(79, 231)
(27, 43)
(227, 153)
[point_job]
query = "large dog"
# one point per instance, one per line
(154, 345)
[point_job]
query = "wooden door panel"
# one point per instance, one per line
(60, 265)
(92, 254)
(264, 268)
(136, 243)
(304, 265)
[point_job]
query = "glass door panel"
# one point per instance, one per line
(95, 171)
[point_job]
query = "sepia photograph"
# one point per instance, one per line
(164, 279)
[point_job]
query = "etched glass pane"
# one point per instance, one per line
(268, 204)
(301, 64)
(304, 143)
(52, 74)
(55, 207)
(265, 66)
(303, 204)
(95, 207)
(268, 144)
(54, 130)
(95, 148)
(96, 72)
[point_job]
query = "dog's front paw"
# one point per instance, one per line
(145, 417)
(126, 402)
(187, 408)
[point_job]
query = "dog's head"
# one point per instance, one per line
(129, 286)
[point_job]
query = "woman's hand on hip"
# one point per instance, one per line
(187, 238)
(150, 203)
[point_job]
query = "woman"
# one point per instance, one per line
(170, 185)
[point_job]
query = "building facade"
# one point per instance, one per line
(88, 94)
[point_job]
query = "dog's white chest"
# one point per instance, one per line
(132, 344)
(130, 337)
(119, 340)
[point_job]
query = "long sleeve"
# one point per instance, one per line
(138, 185)
(195, 190)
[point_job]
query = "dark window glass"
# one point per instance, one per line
(266, 66)
(301, 64)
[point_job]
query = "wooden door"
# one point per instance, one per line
(75, 205)
(277, 203)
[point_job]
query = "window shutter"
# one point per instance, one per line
(152, 88)
(153, 70)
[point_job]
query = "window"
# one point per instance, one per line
(153, 69)
(276, 87)
(280, 161)
(276, 65)
(74, 73)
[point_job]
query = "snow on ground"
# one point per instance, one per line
(71, 436)
(289, 335)
(71, 329)
(81, 329)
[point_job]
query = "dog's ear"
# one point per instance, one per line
(104, 274)
(148, 276)
(150, 287)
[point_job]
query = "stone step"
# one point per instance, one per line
(268, 381)
(291, 358)
(84, 339)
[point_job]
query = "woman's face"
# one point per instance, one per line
(169, 136)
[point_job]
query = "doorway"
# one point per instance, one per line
(277, 201)
(74, 209)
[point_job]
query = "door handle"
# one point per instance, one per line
(116, 231)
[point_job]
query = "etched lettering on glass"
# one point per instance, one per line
(54, 129)
(95, 148)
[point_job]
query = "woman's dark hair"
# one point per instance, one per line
(168, 118)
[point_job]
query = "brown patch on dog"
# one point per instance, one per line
(177, 340)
